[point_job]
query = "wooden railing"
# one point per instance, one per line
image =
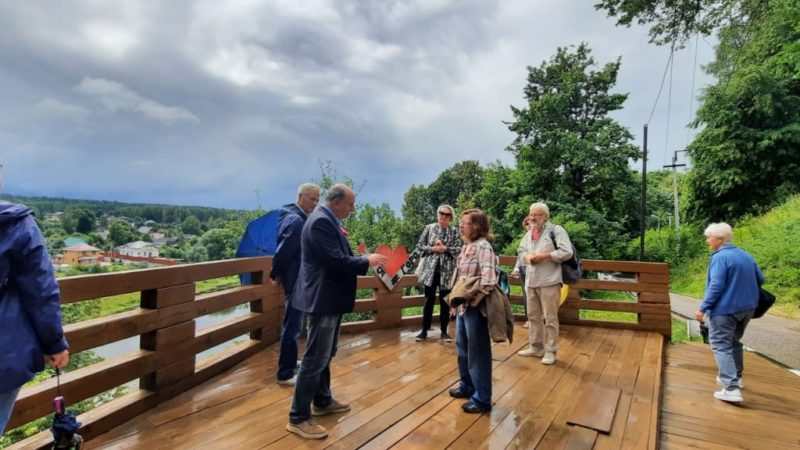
(166, 362)
(648, 305)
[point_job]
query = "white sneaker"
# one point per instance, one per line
(734, 396)
(531, 352)
(549, 358)
(740, 383)
(526, 324)
(289, 381)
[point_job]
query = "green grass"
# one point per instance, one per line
(772, 240)
(126, 302)
(679, 333)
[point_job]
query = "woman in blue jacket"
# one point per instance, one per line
(30, 306)
(731, 297)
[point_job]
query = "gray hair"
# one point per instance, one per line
(540, 205)
(305, 187)
(336, 192)
(720, 230)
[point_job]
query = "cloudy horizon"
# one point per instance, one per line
(225, 105)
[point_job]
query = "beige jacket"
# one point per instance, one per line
(546, 273)
(495, 307)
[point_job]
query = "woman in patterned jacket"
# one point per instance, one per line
(439, 246)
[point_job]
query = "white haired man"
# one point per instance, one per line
(731, 297)
(285, 267)
(543, 255)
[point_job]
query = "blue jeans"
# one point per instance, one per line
(314, 379)
(724, 334)
(290, 332)
(474, 357)
(7, 400)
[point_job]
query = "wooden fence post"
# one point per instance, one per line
(173, 341)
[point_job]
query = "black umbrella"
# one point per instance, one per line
(65, 424)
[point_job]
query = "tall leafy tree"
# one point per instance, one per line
(568, 149)
(372, 225)
(121, 233)
(79, 220)
(747, 155)
(675, 21)
(457, 186)
(191, 225)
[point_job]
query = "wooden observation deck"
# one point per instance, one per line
(607, 389)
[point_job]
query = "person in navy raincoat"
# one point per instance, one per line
(30, 306)
(285, 267)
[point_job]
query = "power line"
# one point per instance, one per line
(691, 94)
(663, 77)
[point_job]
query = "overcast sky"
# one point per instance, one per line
(204, 102)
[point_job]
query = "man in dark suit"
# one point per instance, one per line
(325, 290)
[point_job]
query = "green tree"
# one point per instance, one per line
(197, 253)
(121, 233)
(747, 155)
(372, 225)
(674, 21)
(220, 243)
(79, 220)
(504, 204)
(457, 186)
(191, 225)
(570, 152)
(417, 212)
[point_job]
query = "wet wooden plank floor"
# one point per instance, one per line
(769, 417)
(398, 391)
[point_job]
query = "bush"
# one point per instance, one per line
(667, 245)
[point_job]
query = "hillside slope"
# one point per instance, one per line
(774, 241)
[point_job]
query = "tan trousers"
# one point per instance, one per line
(543, 303)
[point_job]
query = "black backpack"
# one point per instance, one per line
(571, 271)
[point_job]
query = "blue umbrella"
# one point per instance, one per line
(65, 424)
(259, 239)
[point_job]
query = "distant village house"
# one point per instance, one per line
(84, 254)
(140, 249)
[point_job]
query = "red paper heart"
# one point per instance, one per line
(397, 257)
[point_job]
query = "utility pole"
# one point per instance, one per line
(258, 198)
(644, 196)
(674, 167)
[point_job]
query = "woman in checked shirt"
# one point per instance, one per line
(472, 329)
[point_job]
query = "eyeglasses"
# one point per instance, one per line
(464, 224)
(446, 214)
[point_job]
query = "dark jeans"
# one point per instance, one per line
(290, 332)
(314, 379)
(474, 357)
(430, 299)
(724, 334)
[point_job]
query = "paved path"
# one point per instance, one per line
(775, 337)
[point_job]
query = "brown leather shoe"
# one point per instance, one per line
(334, 407)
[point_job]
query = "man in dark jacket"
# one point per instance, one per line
(30, 306)
(285, 266)
(326, 290)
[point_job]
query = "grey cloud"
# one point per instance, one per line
(58, 109)
(391, 92)
(115, 96)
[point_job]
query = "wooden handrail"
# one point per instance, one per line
(166, 362)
